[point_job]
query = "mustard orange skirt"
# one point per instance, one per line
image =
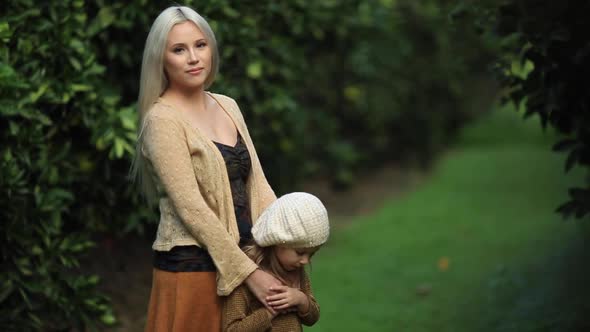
(184, 302)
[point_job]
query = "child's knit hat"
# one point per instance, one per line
(296, 220)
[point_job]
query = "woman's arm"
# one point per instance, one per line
(236, 316)
(260, 284)
(165, 146)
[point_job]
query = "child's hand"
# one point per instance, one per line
(286, 297)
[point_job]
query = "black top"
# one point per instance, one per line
(193, 258)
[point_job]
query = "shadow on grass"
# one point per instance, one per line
(547, 294)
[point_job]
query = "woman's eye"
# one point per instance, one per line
(201, 44)
(177, 50)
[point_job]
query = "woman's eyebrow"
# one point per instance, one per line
(183, 44)
(177, 44)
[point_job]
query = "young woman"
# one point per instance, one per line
(196, 160)
(287, 235)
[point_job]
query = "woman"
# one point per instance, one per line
(195, 158)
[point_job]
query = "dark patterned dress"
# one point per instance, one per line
(195, 259)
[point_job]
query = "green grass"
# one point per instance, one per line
(514, 265)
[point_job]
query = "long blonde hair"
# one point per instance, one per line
(153, 81)
(266, 259)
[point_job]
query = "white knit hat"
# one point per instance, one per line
(297, 220)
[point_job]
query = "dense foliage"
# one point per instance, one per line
(326, 87)
(545, 65)
(329, 86)
(56, 178)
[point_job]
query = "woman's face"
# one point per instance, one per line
(294, 258)
(187, 58)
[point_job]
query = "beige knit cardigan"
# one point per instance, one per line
(195, 199)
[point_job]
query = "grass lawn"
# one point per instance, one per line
(476, 247)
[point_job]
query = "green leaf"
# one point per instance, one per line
(76, 87)
(106, 17)
(36, 250)
(254, 70)
(93, 279)
(40, 92)
(230, 12)
(119, 149)
(95, 69)
(75, 63)
(5, 32)
(77, 45)
(108, 319)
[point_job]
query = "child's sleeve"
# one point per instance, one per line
(313, 314)
(236, 316)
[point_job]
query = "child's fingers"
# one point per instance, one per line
(276, 297)
(277, 302)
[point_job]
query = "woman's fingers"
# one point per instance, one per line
(260, 284)
(279, 288)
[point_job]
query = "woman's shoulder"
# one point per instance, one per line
(223, 99)
(161, 110)
(229, 104)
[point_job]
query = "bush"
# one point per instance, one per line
(546, 66)
(59, 127)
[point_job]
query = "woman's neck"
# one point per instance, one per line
(193, 99)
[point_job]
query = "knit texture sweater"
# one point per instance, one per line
(195, 198)
(242, 312)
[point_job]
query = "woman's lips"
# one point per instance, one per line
(195, 71)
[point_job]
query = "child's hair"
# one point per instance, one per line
(267, 260)
(295, 220)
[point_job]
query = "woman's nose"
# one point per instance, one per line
(304, 260)
(193, 58)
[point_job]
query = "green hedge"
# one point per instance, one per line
(59, 128)
(327, 87)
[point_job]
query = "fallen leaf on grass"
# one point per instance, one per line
(443, 264)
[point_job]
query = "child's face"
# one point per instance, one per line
(294, 258)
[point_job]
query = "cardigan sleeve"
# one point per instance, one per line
(313, 314)
(166, 148)
(236, 316)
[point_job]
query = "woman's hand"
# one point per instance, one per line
(260, 284)
(286, 298)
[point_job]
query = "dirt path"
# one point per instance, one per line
(368, 194)
(124, 265)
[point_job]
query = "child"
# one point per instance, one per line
(287, 234)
